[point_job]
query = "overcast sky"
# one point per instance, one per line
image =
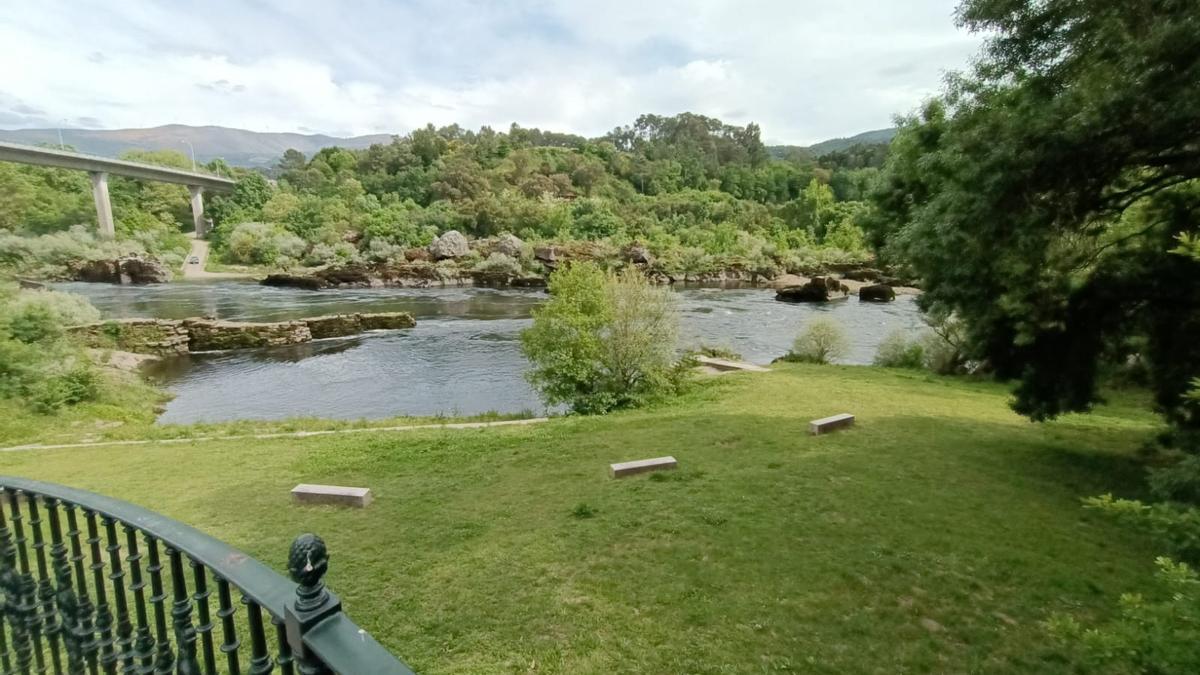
(805, 71)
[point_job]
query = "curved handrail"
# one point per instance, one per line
(308, 619)
(264, 585)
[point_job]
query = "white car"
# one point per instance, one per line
(194, 260)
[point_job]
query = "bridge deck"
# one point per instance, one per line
(28, 154)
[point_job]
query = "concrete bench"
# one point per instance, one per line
(622, 469)
(833, 423)
(331, 494)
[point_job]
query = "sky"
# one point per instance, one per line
(804, 71)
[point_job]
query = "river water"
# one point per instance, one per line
(462, 358)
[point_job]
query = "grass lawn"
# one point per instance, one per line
(935, 536)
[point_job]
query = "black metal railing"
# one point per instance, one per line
(91, 584)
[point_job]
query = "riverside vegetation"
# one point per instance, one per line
(704, 199)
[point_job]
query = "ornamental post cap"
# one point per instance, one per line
(308, 560)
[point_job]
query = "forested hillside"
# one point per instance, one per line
(701, 196)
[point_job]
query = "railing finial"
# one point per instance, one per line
(308, 561)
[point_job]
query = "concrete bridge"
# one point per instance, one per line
(99, 168)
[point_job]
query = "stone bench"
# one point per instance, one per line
(623, 469)
(331, 494)
(832, 423)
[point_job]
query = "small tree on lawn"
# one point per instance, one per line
(603, 341)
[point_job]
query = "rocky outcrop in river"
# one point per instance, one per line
(126, 270)
(169, 337)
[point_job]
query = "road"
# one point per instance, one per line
(198, 271)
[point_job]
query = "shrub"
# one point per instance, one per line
(945, 352)
(37, 363)
(898, 351)
(498, 263)
(603, 340)
(822, 341)
(49, 394)
(1149, 635)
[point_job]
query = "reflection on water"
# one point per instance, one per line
(463, 357)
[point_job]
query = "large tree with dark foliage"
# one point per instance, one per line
(1046, 196)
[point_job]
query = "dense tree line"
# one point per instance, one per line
(699, 193)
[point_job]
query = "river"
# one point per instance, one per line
(462, 358)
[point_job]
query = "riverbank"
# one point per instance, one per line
(462, 358)
(935, 536)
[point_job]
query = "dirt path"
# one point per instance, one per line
(198, 271)
(284, 434)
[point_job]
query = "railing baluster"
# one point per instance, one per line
(125, 646)
(45, 589)
(25, 589)
(228, 629)
(65, 598)
(206, 627)
(5, 660)
(164, 661)
(260, 658)
(285, 650)
(86, 635)
(8, 574)
(104, 619)
(143, 646)
(181, 615)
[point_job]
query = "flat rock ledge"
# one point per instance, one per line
(171, 337)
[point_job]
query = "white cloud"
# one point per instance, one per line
(803, 70)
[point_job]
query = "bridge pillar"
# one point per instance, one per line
(198, 211)
(104, 215)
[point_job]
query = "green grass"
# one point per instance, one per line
(510, 550)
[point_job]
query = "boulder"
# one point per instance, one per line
(787, 281)
(528, 282)
(293, 281)
(126, 270)
(138, 270)
(862, 274)
(815, 290)
(417, 255)
(346, 275)
(452, 244)
(638, 255)
(547, 254)
(510, 245)
(876, 293)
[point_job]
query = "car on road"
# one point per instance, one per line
(194, 260)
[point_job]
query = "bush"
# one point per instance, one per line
(945, 353)
(263, 244)
(898, 351)
(77, 385)
(822, 341)
(1150, 635)
(37, 363)
(603, 340)
(498, 263)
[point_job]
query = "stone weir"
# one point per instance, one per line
(170, 337)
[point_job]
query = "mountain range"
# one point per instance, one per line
(259, 149)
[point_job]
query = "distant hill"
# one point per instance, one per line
(239, 147)
(260, 149)
(833, 145)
